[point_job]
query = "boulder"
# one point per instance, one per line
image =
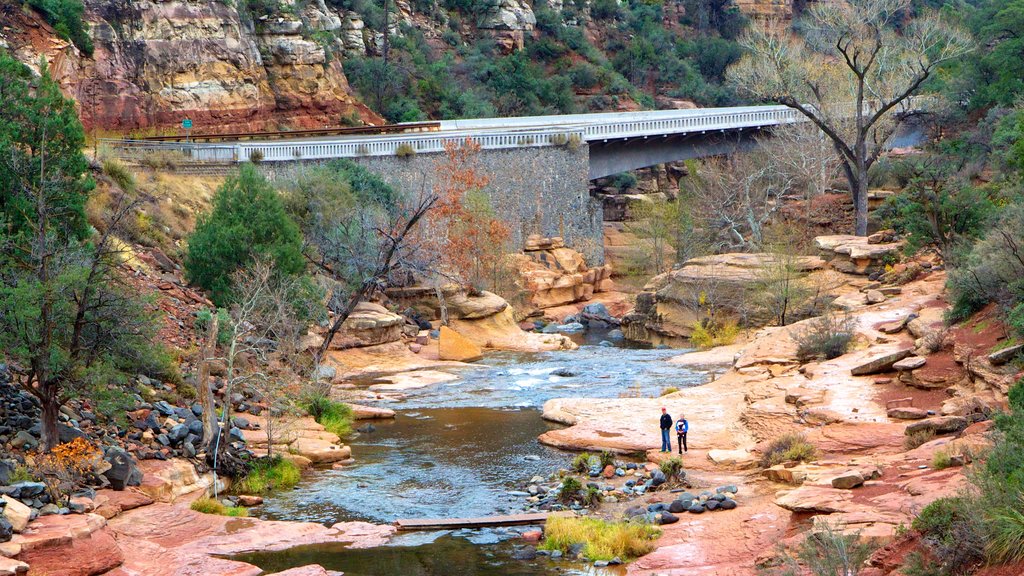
(369, 325)
(122, 472)
(848, 480)
(879, 363)
(454, 346)
(465, 307)
(16, 513)
(938, 425)
(11, 567)
(874, 297)
(1003, 356)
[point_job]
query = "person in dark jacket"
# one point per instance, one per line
(666, 425)
(682, 427)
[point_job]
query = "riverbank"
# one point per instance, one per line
(866, 478)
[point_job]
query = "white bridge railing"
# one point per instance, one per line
(489, 133)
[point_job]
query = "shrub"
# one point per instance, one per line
(66, 18)
(335, 417)
(1006, 542)
(992, 270)
(248, 221)
(591, 496)
(708, 333)
(64, 468)
(671, 467)
(787, 448)
(559, 139)
(669, 390)
(266, 474)
(574, 142)
(256, 156)
(918, 438)
(119, 173)
(581, 463)
(827, 551)
(405, 150)
(951, 531)
(941, 460)
(601, 539)
(210, 506)
(607, 459)
(163, 159)
(22, 473)
(824, 338)
(569, 489)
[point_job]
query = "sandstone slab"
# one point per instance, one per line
(815, 499)
(879, 363)
(362, 412)
(907, 413)
(909, 363)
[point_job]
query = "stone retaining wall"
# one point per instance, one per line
(536, 190)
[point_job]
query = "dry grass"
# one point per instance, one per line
(165, 206)
(602, 540)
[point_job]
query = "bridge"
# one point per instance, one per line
(539, 167)
(617, 141)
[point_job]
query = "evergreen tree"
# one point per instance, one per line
(248, 220)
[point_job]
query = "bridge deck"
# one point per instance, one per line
(490, 133)
(484, 522)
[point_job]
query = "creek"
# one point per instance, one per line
(457, 449)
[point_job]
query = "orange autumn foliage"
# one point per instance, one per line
(466, 237)
(64, 467)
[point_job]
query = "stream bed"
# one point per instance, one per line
(457, 449)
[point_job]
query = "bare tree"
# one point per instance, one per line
(850, 72)
(739, 195)
(804, 152)
(359, 239)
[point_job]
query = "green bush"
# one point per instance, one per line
(671, 467)
(941, 460)
(266, 474)
(335, 417)
(606, 458)
(248, 221)
(824, 338)
(934, 209)
(581, 463)
(569, 489)
(210, 506)
(992, 270)
(591, 496)
(952, 533)
(66, 18)
(788, 448)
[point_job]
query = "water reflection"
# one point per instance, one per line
(445, 556)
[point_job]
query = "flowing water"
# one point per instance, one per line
(456, 450)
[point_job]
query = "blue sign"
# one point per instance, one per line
(186, 124)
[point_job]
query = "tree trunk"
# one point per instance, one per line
(442, 304)
(205, 391)
(860, 201)
(48, 421)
